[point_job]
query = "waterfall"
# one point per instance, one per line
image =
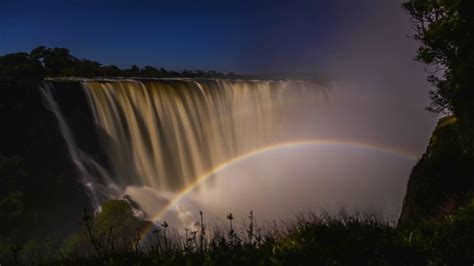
(164, 133)
(95, 190)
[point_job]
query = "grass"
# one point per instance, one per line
(309, 239)
(359, 238)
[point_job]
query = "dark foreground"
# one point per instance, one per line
(111, 238)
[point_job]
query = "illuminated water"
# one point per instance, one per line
(164, 134)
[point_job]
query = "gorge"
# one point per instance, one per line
(154, 141)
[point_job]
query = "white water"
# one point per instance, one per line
(162, 134)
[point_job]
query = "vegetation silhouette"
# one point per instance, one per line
(436, 225)
(359, 238)
(444, 32)
(58, 62)
(442, 181)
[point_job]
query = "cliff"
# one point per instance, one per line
(442, 180)
(38, 181)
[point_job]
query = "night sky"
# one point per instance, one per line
(364, 42)
(378, 92)
(240, 36)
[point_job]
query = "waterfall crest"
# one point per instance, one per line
(164, 133)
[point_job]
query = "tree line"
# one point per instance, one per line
(59, 62)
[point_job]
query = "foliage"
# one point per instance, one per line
(437, 216)
(58, 62)
(113, 228)
(19, 67)
(444, 30)
(448, 241)
(342, 239)
(436, 226)
(19, 73)
(345, 240)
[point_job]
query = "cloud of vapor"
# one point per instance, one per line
(377, 95)
(372, 64)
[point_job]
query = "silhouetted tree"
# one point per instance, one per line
(19, 73)
(55, 60)
(445, 30)
(149, 72)
(134, 71)
(112, 71)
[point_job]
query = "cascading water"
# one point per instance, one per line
(163, 134)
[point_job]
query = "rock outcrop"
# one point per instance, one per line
(442, 180)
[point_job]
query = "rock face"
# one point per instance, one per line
(442, 180)
(53, 199)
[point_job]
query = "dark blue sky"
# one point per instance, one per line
(241, 36)
(362, 46)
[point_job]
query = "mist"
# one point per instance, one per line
(377, 94)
